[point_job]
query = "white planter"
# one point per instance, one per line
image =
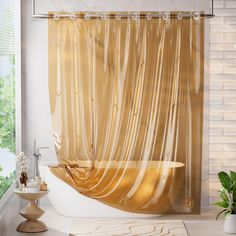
(230, 224)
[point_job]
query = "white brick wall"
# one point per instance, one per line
(222, 101)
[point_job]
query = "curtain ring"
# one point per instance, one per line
(104, 16)
(56, 17)
(196, 16)
(72, 17)
(180, 16)
(165, 16)
(134, 16)
(87, 17)
(118, 17)
(149, 16)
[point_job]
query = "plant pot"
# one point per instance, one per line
(230, 224)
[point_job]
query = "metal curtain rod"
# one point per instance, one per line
(119, 15)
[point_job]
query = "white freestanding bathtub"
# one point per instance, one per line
(69, 202)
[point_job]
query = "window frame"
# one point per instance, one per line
(18, 97)
(18, 84)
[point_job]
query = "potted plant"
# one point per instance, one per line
(228, 200)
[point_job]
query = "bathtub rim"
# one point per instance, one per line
(120, 164)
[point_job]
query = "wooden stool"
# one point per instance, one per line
(31, 212)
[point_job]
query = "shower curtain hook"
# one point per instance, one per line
(72, 17)
(149, 16)
(196, 16)
(180, 16)
(165, 16)
(135, 16)
(104, 16)
(86, 16)
(118, 16)
(56, 17)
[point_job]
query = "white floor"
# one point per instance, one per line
(204, 225)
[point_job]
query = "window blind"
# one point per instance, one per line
(7, 26)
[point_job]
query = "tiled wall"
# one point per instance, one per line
(222, 118)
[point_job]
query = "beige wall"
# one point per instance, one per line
(222, 103)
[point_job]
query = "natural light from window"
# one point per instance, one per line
(7, 93)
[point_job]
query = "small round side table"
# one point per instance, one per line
(31, 212)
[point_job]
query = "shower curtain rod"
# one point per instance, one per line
(119, 15)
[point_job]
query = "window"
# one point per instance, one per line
(8, 71)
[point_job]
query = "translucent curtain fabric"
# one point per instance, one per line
(126, 101)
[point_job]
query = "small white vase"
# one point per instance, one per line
(230, 224)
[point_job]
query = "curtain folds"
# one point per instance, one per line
(126, 100)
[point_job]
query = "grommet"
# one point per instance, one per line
(72, 17)
(118, 17)
(104, 16)
(87, 17)
(149, 16)
(196, 16)
(180, 16)
(56, 17)
(134, 16)
(165, 16)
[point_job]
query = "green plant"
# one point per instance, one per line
(7, 109)
(227, 193)
(5, 182)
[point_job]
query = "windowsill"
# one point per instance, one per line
(6, 197)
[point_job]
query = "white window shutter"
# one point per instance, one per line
(7, 26)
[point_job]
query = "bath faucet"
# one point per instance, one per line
(37, 155)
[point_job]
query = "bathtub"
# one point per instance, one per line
(69, 202)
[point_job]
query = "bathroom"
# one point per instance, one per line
(212, 130)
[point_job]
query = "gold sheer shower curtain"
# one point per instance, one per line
(126, 100)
